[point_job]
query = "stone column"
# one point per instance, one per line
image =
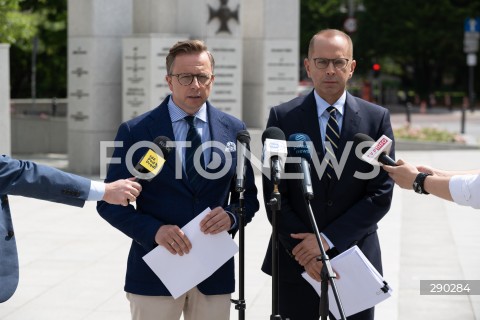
(95, 31)
(219, 23)
(271, 56)
(5, 141)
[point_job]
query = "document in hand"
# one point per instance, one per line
(181, 273)
(360, 285)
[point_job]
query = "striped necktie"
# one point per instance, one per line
(332, 138)
(196, 140)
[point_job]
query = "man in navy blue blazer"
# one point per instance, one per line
(26, 178)
(178, 194)
(346, 209)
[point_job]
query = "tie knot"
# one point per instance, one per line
(190, 120)
(332, 111)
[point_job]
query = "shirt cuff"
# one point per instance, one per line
(232, 216)
(330, 244)
(465, 190)
(97, 191)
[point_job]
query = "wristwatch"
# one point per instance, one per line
(419, 181)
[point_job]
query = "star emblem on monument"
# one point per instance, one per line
(224, 14)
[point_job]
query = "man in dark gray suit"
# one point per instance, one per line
(26, 178)
(346, 209)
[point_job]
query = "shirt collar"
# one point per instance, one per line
(177, 114)
(322, 105)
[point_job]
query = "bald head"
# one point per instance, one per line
(331, 33)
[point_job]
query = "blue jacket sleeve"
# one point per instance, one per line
(28, 179)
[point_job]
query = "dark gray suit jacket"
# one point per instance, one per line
(25, 178)
(346, 210)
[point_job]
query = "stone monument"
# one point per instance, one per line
(143, 72)
(114, 42)
(160, 24)
(95, 30)
(5, 142)
(271, 56)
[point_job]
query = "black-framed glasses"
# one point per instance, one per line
(338, 63)
(186, 79)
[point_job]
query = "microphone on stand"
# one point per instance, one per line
(298, 146)
(274, 152)
(244, 138)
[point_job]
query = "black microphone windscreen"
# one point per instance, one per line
(162, 143)
(299, 146)
(362, 137)
(151, 162)
(243, 136)
(273, 133)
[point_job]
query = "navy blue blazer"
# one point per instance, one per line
(25, 178)
(346, 211)
(168, 200)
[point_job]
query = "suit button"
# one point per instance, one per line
(10, 235)
(329, 203)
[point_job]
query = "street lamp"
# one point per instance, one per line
(350, 24)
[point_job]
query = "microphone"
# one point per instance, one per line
(244, 138)
(298, 146)
(274, 151)
(378, 151)
(151, 163)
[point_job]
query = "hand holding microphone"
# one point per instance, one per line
(122, 191)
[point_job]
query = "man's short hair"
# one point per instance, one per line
(187, 47)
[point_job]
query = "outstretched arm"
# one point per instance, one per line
(458, 186)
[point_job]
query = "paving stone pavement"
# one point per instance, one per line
(72, 262)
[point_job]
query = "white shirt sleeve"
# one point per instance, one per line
(465, 190)
(97, 190)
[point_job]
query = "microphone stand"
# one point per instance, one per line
(327, 275)
(275, 205)
(240, 304)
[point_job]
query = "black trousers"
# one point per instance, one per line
(299, 301)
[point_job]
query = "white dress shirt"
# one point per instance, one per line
(465, 190)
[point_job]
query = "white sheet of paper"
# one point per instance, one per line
(181, 273)
(359, 285)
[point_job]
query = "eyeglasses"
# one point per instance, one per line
(185, 79)
(338, 63)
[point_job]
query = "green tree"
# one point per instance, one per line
(22, 22)
(424, 38)
(421, 42)
(16, 26)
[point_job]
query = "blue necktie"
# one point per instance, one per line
(196, 140)
(332, 138)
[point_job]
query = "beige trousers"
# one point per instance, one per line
(194, 305)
